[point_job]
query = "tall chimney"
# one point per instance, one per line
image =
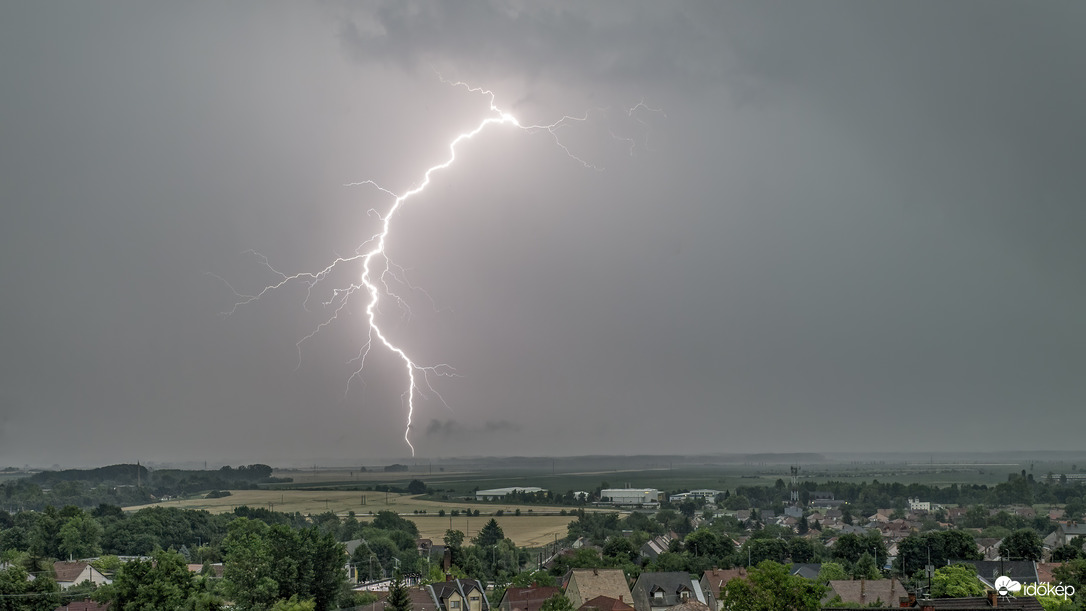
(993, 598)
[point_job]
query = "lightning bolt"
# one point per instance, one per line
(378, 270)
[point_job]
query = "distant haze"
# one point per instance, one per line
(849, 227)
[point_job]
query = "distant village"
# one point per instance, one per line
(626, 549)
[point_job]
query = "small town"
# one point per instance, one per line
(774, 543)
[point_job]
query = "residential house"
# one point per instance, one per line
(448, 595)
(459, 595)
(73, 573)
(1022, 571)
(526, 599)
(1044, 571)
(215, 570)
(865, 592)
(1026, 512)
(806, 570)
(656, 591)
(979, 603)
(690, 605)
(605, 603)
(583, 585)
(656, 546)
(1066, 532)
(988, 547)
(956, 513)
(713, 581)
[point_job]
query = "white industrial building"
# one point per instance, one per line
(702, 493)
(630, 496)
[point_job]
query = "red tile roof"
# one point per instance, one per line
(605, 603)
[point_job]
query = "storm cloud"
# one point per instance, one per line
(844, 226)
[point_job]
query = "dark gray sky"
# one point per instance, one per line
(853, 226)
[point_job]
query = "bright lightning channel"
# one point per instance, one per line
(378, 269)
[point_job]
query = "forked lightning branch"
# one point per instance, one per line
(378, 273)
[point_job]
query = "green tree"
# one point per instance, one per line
(620, 548)
(831, 571)
(865, 568)
(769, 587)
(759, 550)
(398, 597)
(489, 534)
(18, 594)
(558, 602)
(293, 604)
(80, 537)
(1064, 553)
(163, 583)
(1022, 544)
(388, 520)
(801, 550)
(956, 581)
(45, 536)
(247, 576)
(944, 546)
(527, 578)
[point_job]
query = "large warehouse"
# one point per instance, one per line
(630, 496)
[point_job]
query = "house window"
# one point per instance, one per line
(454, 604)
(684, 595)
(474, 599)
(658, 595)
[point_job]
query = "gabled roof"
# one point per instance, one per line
(807, 570)
(605, 603)
(865, 592)
(591, 583)
(1073, 529)
(664, 589)
(442, 590)
(1044, 571)
(714, 579)
(527, 599)
(69, 571)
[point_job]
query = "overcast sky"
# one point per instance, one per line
(845, 226)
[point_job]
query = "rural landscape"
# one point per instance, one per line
(729, 532)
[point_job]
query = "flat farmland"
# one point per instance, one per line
(524, 530)
(535, 526)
